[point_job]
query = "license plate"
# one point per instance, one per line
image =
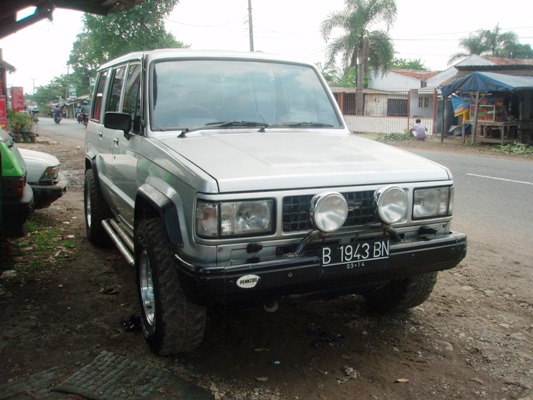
(355, 255)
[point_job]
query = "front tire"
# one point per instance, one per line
(402, 294)
(96, 210)
(171, 323)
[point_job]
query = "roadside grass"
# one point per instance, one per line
(515, 148)
(42, 251)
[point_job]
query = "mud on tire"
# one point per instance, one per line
(171, 323)
(402, 294)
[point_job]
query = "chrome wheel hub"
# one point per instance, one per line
(146, 288)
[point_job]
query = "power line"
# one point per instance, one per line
(204, 26)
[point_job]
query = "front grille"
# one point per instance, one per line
(296, 211)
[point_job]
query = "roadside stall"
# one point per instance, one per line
(499, 106)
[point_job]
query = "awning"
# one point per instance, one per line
(488, 82)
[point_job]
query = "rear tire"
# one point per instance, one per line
(96, 210)
(171, 323)
(402, 294)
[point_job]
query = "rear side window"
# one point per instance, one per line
(132, 100)
(116, 89)
(99, 96)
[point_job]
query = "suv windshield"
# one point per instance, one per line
(219, 93)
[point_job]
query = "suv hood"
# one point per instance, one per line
(243, 160)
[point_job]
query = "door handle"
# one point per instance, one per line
(100, 134)
(115, 141)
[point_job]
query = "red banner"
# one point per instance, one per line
(3, 112)
(17, 98)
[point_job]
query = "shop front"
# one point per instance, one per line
(493, 107)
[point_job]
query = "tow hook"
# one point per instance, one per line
(271, 306)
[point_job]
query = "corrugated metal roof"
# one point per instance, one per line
(415, 73)
(508, 61)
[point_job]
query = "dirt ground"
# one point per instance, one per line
(473, 338)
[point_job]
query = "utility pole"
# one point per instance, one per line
(67, 95)
(250, 26)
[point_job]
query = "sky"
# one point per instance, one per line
(429, 31)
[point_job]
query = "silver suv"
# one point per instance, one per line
(227, 177)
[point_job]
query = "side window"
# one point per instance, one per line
(132, 98)
(116, 89)
(99, 95)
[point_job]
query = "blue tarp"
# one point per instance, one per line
(488, 82)
(461, 104)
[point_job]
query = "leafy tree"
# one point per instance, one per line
(492, 43)
(328, 71)
(55, 90)
(495, 41)
(358, 45)
(106, 37)
(408, 64)
(348, 77)
(517, 51)
(335, 77)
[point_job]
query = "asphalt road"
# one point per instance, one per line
(493, 198)
(68, 131)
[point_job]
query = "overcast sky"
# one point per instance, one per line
(429, 31)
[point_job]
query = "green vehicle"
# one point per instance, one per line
(16, 200)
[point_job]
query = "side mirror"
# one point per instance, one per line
(118, 121)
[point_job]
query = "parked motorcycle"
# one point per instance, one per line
(57, 118)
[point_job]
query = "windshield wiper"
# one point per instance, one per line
(225, 124)
(307, 124)
(230, 124)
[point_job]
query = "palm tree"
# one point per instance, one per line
(473, 45)
(360, 46)
(496, 40)
(492, 43)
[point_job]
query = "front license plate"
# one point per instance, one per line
(355, 255)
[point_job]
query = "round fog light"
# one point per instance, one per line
(328, 211)
(391, 203)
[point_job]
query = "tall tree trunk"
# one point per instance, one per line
(361, 71)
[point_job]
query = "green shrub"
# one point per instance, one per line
(19, 121)
(515, 148)
(396, 137)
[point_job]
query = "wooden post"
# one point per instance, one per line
(443, 128)
(474, 128)
(435, 98)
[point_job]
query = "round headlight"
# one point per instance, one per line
(328, 211)
(391, 203)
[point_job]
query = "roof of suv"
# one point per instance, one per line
(160, 54)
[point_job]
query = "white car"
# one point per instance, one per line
(43, 175)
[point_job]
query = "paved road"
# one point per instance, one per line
(493, 198)
(68, 131)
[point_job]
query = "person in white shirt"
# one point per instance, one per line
(419, 130)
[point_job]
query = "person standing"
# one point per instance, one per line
(419, 130)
